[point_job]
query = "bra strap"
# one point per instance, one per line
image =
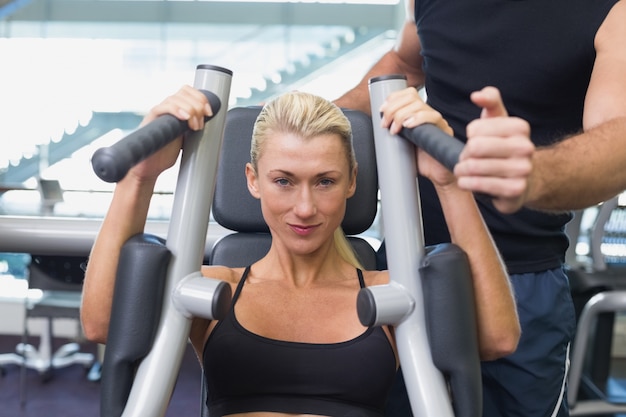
(361, 279)
(240, 285)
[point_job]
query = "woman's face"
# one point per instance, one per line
(303, 186)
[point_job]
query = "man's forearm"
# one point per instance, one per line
(358, 97)
(391, 63)
(580, 171)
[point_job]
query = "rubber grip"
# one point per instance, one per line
(441, 146)
(112, 163)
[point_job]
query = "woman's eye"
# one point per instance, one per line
(282, 182)
(326, 182)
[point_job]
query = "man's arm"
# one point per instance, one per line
(404, 58)
(591, 167)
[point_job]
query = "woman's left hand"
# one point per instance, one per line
(405, 108)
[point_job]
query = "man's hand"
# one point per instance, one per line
(497, 159)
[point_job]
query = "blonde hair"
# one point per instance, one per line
(307, 116)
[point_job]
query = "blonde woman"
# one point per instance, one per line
(292, 343)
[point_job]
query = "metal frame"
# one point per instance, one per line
(400, 303)
(187, 293)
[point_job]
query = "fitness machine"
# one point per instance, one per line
(146, 339)
(429, 299)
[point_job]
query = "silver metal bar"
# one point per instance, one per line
(401, 214)
(603, 302)
(71, 236)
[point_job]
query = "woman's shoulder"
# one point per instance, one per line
(375, 277)
(223, 273)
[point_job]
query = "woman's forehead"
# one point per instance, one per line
(325, 148)
(289, 142)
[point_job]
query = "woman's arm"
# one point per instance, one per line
(128, 212)
(498, 324)
(126, 217)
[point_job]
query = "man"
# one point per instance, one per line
(561, 66)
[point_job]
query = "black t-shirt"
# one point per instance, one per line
(540, 55)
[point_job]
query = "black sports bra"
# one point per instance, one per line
(246, 372)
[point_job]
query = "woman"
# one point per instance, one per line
(292, 343)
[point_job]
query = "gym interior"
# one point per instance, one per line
(79, 75)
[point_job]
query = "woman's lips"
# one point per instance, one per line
(303, 230)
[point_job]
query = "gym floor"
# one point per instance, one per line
(69, 393)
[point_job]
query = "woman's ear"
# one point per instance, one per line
(352, 187)
(252, 180)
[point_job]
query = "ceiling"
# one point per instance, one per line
(127, 52)
(354, 14)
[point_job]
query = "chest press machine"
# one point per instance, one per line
(159, 288)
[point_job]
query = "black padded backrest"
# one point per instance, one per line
(235, 209)
(243, 249)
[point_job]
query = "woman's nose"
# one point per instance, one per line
(305, 205)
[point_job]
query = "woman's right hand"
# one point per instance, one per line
(186, 104)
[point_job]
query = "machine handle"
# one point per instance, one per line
(112, 163)
(441, 146)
